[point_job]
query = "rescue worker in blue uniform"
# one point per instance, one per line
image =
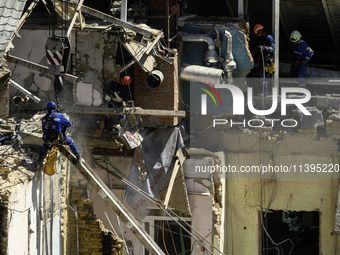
(54, 126)
(302, 54)
(265, 57)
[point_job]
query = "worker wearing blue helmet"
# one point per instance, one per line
(54, 126)
(302, 54)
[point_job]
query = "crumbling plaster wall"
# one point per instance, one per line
(31, 47)
(93, 52)
(95, 63)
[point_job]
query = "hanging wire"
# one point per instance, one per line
(278, 245)
(172, 238)
(168, 211)
(108, 219)
(163, 235)
(121, 52)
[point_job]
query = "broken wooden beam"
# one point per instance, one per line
(24, 18)
(118, 22)
(39, 68)
(76, 14)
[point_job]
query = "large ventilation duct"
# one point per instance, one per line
(154, 79)
(202, 74)
(229, 64)
(210, 58)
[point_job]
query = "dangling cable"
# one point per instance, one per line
(168, 211)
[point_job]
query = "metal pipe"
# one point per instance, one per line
(168, 22)
(229, 64)
(123, 12)
(199, 38)
(202, 74)
(276, 33)
(211, 55)
(229, 53)
(26, 92)
(240, 9)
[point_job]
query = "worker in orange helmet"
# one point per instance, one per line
(265, 56)
(118, 91)
(126, 80)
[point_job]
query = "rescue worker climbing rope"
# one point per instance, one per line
(54, 126)
(302, 55)
(265, 56)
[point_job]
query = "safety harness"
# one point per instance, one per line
(50, 135)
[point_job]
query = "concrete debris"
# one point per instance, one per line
(312, 121)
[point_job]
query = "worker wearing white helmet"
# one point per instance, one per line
(302, 53)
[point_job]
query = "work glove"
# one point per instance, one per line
(117, 98)
(262, 48)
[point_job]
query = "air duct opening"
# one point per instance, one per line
(154, 79)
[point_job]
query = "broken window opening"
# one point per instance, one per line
(176, 239)
(300, 229)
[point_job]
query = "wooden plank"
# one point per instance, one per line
(178, 163)
(39, 68)
(147, 33)
(76, 14)
(171, 183)
(24, 17)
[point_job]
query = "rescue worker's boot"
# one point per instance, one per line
(79, 159)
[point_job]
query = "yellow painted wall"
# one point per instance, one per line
(243, 201)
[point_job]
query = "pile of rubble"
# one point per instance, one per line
(16, 158)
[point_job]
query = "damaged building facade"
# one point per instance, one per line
(159, 175)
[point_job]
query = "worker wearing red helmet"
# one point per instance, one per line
(265, 55)
(118, 91)
(126, 80)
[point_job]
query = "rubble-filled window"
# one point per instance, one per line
(290, 232)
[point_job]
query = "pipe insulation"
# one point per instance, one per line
(199, 38)
(229, 64)
(210, 57)
(229, 53)
(26, 92)
(202, 74)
